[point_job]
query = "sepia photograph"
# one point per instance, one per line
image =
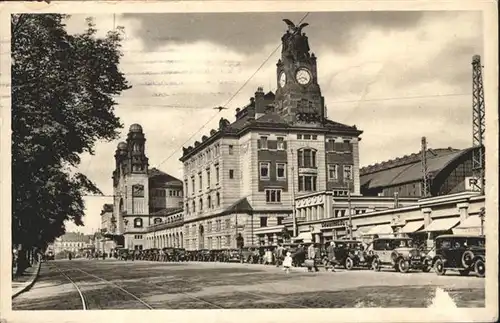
(248, 158)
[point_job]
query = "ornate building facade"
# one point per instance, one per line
(143, 196)
(246, 174)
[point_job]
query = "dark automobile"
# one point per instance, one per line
(49, 255)
(351, 253)
(464, 253)
(397, 253)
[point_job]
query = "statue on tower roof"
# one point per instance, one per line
(295, 43)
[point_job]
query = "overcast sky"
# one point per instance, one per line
(397, 76)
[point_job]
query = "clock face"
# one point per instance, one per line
(282, 79)
(303, 76)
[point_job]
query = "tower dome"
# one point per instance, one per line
(135, 128)
(122, 146)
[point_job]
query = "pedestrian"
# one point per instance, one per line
(287, 262)
(311, 255)
(330, 252)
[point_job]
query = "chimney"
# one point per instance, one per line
(260, 105)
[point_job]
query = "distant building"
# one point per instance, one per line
(143, 196)
(450, 171)
(71, 242)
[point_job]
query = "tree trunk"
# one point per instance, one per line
(23, 262)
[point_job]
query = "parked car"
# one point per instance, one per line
(397, 253)
(351, 253)
(464, 253)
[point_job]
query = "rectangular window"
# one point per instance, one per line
(281, 143)
(314, 137)
(280, 171)
(299, 136)
(263, 222)
(347, 172)
(273, 196)
(307, 183)
(230, 149)
(208, 178)
(231, 174)
(332, 172)
(280, 220)
(307, 137)
(228, 241)
(192, 184)
(217, 174)
(200, 176)
(263, 142)
(264, 171)
(227, 224)
(307, 158)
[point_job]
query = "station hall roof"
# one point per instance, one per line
(408, 168)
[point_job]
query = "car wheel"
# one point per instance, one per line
(439, 267)
(480, 268)
(376, 265)
(464, 272)
(349, 263)
(426, 268)
(467, 258)
(403, 265)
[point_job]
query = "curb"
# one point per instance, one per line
(29, 283)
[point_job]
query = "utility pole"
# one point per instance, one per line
(349, 207)
(481, 216)
(425, 170)
(478, 124)
(294, 216)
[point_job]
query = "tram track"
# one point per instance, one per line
(89, 297)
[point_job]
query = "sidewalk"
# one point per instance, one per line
(26, 280)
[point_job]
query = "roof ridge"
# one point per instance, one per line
(401, 161)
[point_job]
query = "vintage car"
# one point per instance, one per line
(397, 253)
(49, 255)
(351, 253)
(233, 255)
(464, 253)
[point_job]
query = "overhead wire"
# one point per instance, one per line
(230, 99)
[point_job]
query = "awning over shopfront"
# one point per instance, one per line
(360, 232)
(441, 225)
(471, 225)
(304, 236)
(381, 229)
(412, 227)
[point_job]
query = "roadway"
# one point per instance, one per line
(114, 284)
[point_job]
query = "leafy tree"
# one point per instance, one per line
(62, 103)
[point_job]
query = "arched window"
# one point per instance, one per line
(201, 204)
(209, 200)
(218, 198)
(137, 223)
(306, 158)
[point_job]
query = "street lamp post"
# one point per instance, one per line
(294, 215)
(481, 216)
(349, 208)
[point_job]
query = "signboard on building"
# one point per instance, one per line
(334, 223)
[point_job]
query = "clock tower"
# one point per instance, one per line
(298, 97)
